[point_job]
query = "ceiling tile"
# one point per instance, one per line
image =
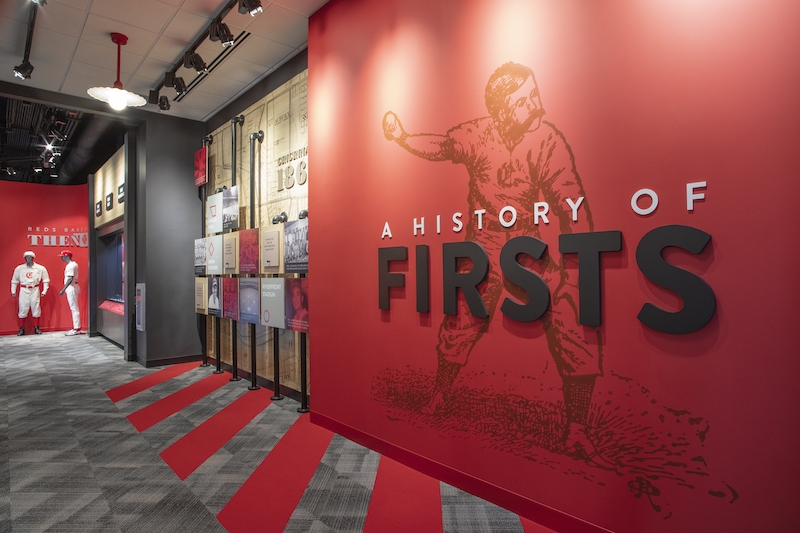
(281, 25)
(152, 69)
(175, 3)
(262, 51)
(14, 35)
(236, 69)
(83, 5)
(143, 85)
(98, 31)
(82, 76)
(302, 7)
(92, 54)
(60, 18)
(168, 50)
(186, 26)
(47, 42)
(149, 15)
(206, 8)
(217, 85)
(19, 11)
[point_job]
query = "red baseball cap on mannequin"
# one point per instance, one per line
(66, 253)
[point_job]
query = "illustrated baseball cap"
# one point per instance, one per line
(29, 253)
(66, 253)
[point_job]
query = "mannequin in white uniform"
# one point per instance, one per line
(27, 277)
(72, 291)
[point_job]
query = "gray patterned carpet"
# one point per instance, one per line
(71, 462)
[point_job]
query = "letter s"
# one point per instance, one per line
(699, 302)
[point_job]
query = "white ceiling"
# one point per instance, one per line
(72, 48)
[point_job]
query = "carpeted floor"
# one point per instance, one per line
(71, 459)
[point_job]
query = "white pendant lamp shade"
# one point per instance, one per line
(117, 97)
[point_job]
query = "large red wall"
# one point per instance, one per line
(702, 427)
(46, 210)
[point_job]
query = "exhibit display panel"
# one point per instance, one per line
(281, 197)
(541, 294)
(109, 190)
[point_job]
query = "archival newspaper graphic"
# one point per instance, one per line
(514, 157)
(295, 246)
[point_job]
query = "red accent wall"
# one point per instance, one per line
(701, 428)
(60, 211)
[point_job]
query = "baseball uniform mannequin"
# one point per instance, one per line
(27, 277)
(72, 291)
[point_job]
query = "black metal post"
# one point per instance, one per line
(303, 376)
(204, 318)
(234, 324)
(276, 365)
(253, 138)
(218, 346)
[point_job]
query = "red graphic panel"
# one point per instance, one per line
(230, 298)
(510, 306)
(44, 219)
(200, 171)
(248, 251)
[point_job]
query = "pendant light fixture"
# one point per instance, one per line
(117, 97)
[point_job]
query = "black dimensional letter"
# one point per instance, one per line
(699, 302)
(588, 246)
(388, 279)
(468, 281)
(423, 279)
(531, 282)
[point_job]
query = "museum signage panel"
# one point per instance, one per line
(214, 255)
(535, 219)
(273, 311)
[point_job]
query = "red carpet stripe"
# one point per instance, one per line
(138, 385)
(529, 526)
(158, 411)
(194, 448)
(265, 502)
(404, 500)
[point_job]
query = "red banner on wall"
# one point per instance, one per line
(44, 219)
(624, 166)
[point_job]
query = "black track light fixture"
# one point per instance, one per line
(250, 6)
(152, 98)
(192, 60)
(219, 31)
(179, 85)
(24, 70)
(163, 103)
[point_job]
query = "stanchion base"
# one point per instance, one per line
(235, 379)
(204, 365)
(276, 398)
(303, 410)
(253, 387)
(218, 372)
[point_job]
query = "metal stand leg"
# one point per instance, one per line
(303, 376)
(276, 365)
(218, 346)
(234, 353)
(253, 384)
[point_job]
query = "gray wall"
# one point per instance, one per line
(168, 220)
